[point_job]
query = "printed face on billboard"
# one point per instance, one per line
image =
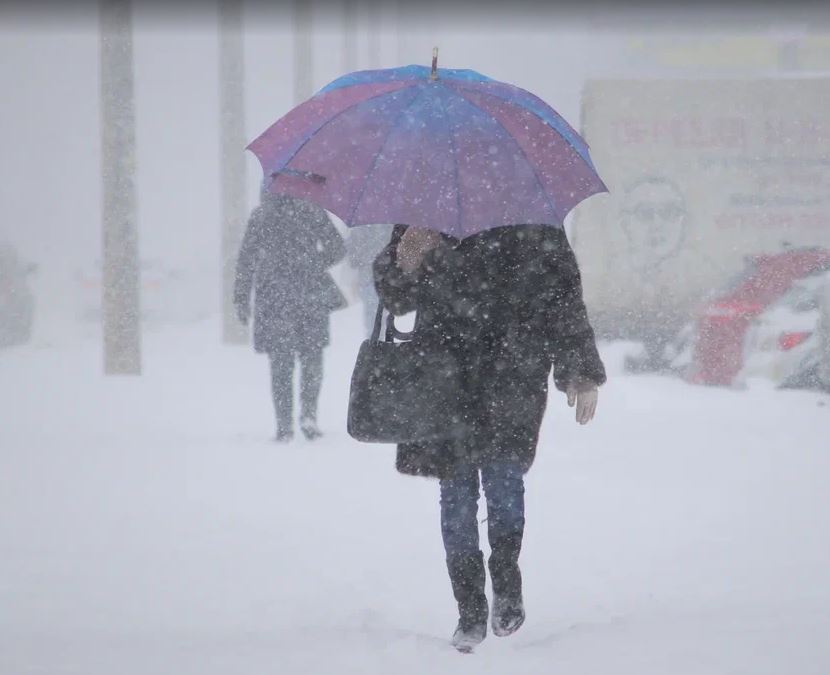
(654, 217)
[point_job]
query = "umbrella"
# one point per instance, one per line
(446, 149)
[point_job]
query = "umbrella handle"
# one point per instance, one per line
(434, 74)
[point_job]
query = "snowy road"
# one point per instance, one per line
(148, 526)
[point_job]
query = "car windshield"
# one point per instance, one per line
(804, 295)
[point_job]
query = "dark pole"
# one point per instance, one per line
(232, 122)
(120, 273)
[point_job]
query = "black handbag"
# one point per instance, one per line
(405, 391)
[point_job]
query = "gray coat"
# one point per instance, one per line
(288, 247)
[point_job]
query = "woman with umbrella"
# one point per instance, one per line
(483, 174)
(508, 303)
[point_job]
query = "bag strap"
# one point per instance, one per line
(391, 333)
(378, 320)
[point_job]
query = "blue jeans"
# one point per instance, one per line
(504, 490)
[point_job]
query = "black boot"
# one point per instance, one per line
(467, 578)
(508, 607)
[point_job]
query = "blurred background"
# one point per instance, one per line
(150, 525)
(705, 121)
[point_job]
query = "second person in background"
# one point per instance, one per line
(288, 247)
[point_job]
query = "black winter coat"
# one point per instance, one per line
(287, 249)
(508, 304)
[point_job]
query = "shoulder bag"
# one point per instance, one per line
(405, 391)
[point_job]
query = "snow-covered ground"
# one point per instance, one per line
(150, 526)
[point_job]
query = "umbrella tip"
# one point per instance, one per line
(434, 74)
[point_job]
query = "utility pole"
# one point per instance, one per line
(120, 273)
(401, 33)
(303, 54)
(373, 37)
(349, 36)
(232, 122)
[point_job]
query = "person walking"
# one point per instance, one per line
(288, 247)
(507, 303)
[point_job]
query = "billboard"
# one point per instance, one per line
(701, 173)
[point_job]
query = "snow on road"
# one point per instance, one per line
(149, 526)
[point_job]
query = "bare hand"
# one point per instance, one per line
(585, 397)
(414, 245)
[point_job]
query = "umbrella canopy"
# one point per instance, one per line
(450, 150)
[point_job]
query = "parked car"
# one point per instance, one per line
(712, 348)
(17, 302)
(813, 369)
(781, 339)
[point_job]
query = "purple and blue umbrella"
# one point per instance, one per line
(449, 150)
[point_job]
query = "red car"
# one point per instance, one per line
(720, 328)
